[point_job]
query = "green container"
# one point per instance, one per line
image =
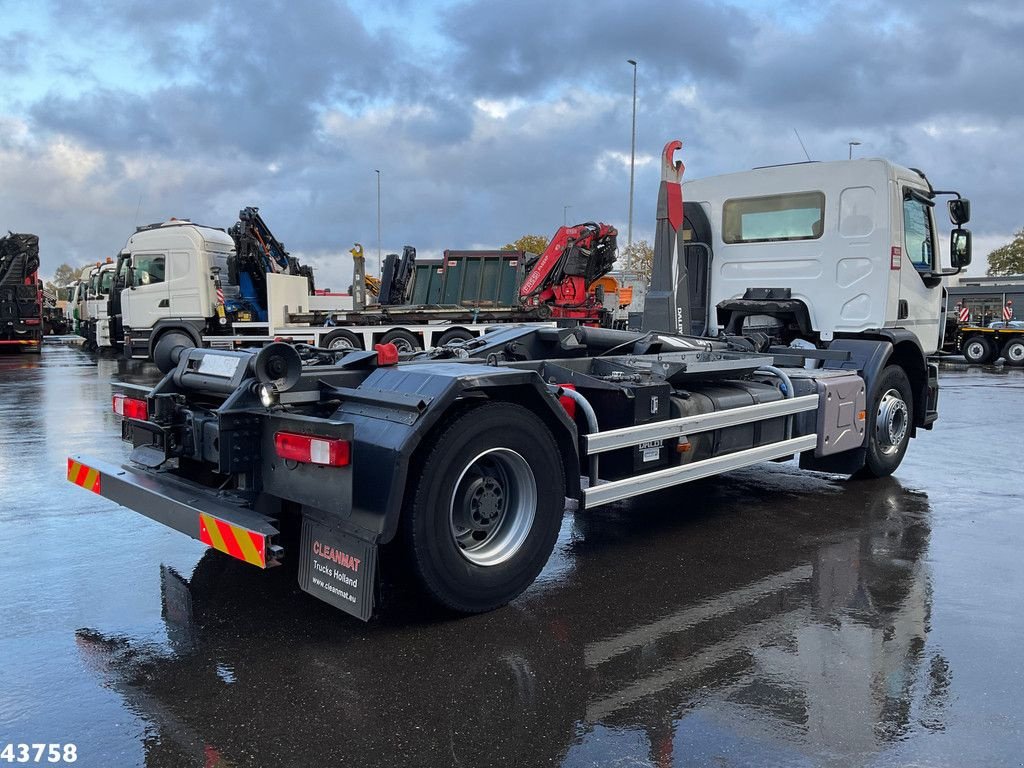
(482, 278)
(427, 282)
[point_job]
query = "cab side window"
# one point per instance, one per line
(149, 268)
(917, 234)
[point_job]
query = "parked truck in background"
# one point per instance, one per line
(21, 293)
(983, 345)
(184, 284)
(459, 459)
(98, 285)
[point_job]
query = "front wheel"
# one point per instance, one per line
(977, 350)
(484, 507)
(169, 348)
(890, 422)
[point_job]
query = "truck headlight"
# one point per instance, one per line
(268, 395)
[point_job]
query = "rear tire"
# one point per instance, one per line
(890, 422)
(484, 507)
(403, 339)
(977, 350)
(455, 334)
(1013, 352)
(342, 339)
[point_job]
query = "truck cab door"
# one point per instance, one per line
(920, 293)
(146, 301)
(186, 285)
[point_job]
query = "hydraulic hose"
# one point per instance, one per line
(787, 384)
(592, 427)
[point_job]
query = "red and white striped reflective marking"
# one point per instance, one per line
(1007, 312)
(965, 314)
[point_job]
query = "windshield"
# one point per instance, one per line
(106, 281)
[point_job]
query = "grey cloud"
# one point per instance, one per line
(238, 117)
(524, 47)
(15, 50)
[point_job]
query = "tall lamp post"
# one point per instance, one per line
(565, 209)
(851, 145)
(380, 262)
(632, 160)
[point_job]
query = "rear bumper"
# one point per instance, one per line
(186, 507)
(19, 334)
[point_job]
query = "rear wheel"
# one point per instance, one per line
(342, 339)
(1013, 352)
(455, 334)
(402, 339)
(484, 507)
(977, 350)
(890, 422)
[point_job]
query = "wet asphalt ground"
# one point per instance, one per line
(768, 617)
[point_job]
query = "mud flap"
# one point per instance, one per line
(338, 568)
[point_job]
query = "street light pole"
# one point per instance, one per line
(380, 262)
(632, 159)
(565, 208)
(851, 145)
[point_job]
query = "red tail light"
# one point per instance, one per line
(130, 408)
(31, 321)
(309, 449)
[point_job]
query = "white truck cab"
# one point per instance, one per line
(177, 280)
(823, 250)
(98, 282)
(169, 277)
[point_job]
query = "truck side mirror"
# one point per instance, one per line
(959, 211)
(960, 247)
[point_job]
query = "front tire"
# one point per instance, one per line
(890, 422)
(977, 350)
(168, 349)
(484, 507)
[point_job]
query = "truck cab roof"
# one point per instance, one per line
(774, 179)
(178, 232)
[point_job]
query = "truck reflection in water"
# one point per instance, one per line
(794, 630)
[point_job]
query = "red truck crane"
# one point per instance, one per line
(561, 276)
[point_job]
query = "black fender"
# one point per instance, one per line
(395, 410)
(908, 354)
(869, 357)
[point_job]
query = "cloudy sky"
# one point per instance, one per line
(485, 119)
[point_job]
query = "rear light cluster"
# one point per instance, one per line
(130, 408)
(309, 449)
